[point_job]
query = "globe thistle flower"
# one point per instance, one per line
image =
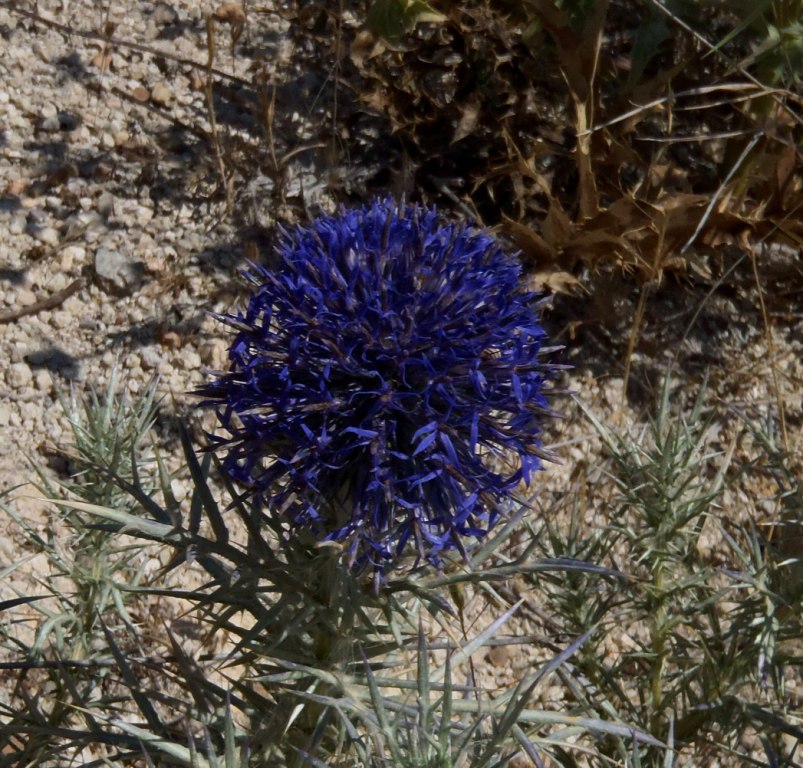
(386, 386)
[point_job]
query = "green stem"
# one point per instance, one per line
(659, 651)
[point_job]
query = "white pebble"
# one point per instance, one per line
(143, 215)
(151, 357)
(47, 235)
(43, 380)
(190, 360)
(61, 320)
(70, 255)
(25, 298)
(30, 412)
(17, 353)
(58, 282)
(19, 375)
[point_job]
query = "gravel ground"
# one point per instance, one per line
(114, 244)
(106, 254)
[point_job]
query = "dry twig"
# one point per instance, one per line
(50, 302)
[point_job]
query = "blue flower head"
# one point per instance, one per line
(386, 384)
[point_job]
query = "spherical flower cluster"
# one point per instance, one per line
(386, 384)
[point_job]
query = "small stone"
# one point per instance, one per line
(3, 414)
(165, 15)
(19, 375)
(17, 353)
(161, 94)
(70, 255)
(170, 339)
(25, 298)
(50, 124)
(58, 282)
(190, 360)
(213, 354)
(133, 363)
(105, 204)
(143, 215)
(75, 307)
(17, 225)
(61, 320)
(43, 381)
(197, 82)
(46, 235)
(152, 357)
(30, 412)
(118, 271)
(102, 60)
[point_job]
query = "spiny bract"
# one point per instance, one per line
(386, 383)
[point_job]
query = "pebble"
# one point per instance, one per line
(214, 354)
(189, 360)
(105, 204)
(19, 375)
(46, 235)
(119, 271)
(58, 282)
(164, 14)
(143, 215)
(51, 124)
(161, 94)
(31, 413)
(25, 298)
(61, 320)
(43, 381)
(152, 357)
(70, 255)
(17, 352)
(77, 308)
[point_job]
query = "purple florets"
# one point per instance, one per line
(385, 383)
